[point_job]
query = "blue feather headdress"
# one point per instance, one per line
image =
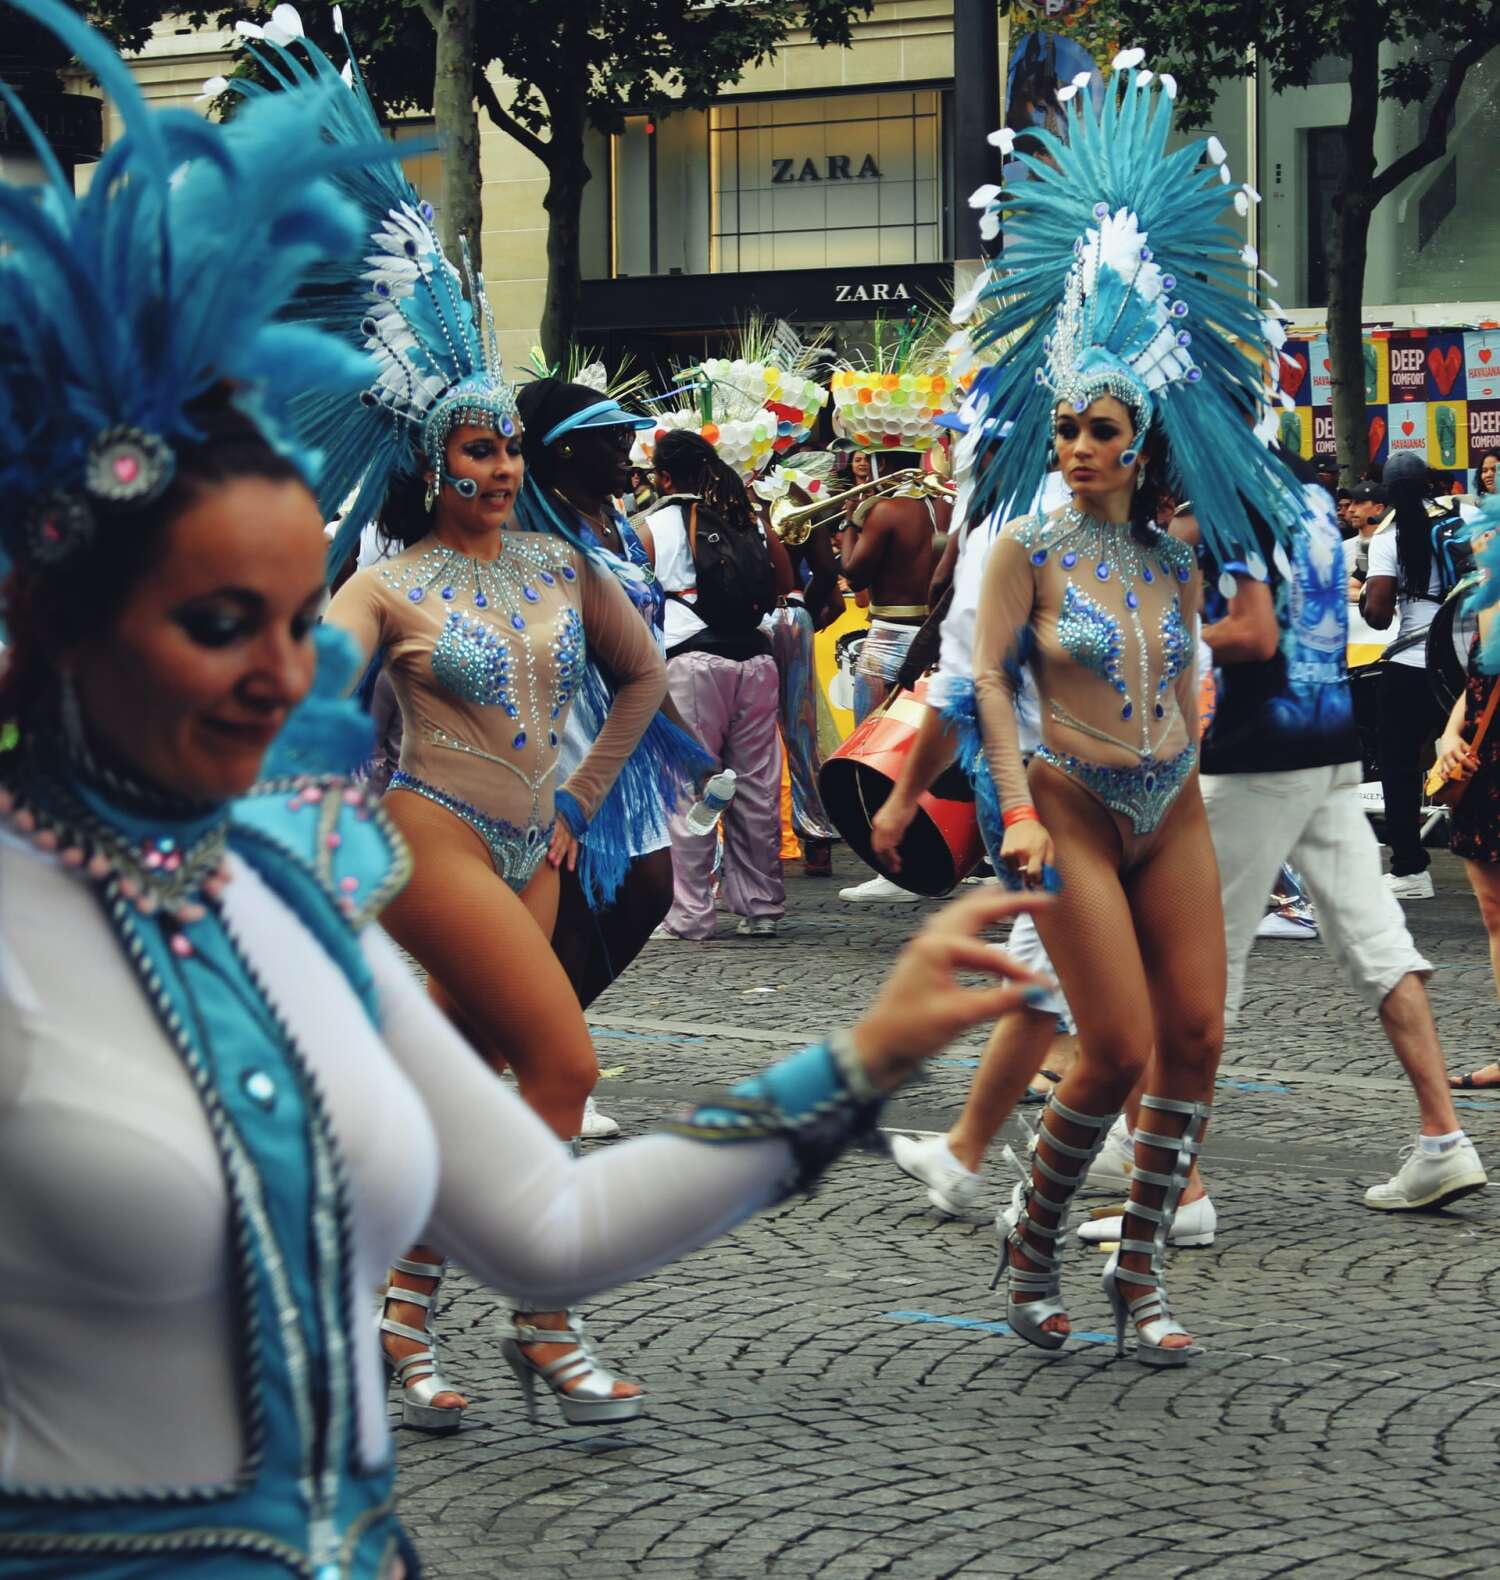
(435, 350)
(1120, 277)
(120, 308)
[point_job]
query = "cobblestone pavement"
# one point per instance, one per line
(832, 1392)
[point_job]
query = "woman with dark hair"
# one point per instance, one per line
(1405, 583)
(1484, 474)
(1099, 602)
(577, 449)
(724, 683)
(223, 1098)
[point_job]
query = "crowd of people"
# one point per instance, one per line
(256, 1114)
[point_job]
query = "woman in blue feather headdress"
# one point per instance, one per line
(224, 1100)
(1137, 356)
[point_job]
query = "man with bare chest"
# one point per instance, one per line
(890, 546)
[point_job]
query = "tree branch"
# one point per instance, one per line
(505, 120)
(433, 13)
(1434, 143)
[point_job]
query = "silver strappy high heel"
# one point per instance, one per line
(1043, 1279)
(1150, 1312)
(420, 1380)
(589, 1401)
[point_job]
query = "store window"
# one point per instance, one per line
(825, 182)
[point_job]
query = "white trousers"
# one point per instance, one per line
(1312, 817)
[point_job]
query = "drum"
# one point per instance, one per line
(1448, 641)
(943, 845)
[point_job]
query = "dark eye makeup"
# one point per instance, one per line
(222, 619)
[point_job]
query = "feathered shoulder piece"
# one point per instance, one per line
(1120, 276)
(433, 343)
(120, 308)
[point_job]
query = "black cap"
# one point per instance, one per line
(1367, 493)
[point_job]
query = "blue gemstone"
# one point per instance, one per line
(1070, 559)
(1131, 601)
(1146, 572)
(512, 710)
(1127, 710)
(549, 578)
(552, 736)
(1150, 781)
(1101, 570)
(259, 1087)
(518, 622)
(417, 594)
(569, 574)
(1161, 712)
(520, 739)
(480, 601)
(1039, 557)
(448, 593)
(530, 594)
(1182, 573)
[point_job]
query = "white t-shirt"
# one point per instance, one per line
(674, 570)
(1414, 615)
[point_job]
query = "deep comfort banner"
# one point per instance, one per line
(1433, 392)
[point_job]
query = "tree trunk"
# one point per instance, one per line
(1346, 263)
(457, 125)
(1346, 289)
(568, 175)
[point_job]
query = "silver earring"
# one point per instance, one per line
(431, 492)
(70, 716)
(1128, 457)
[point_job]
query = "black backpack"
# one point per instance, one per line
(736, 587)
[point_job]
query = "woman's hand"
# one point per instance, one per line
(1026, 850)
(922, 1007)
(888, 828)
(563, 851)
(1455, 760)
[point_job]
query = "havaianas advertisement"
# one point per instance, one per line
(1429, 392)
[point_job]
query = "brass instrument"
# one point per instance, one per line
(796, 524)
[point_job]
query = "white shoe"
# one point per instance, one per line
(1194, 1225)
(951, 1188)
(1414, 886)
(1293, 920)
(756, 927)
(1427, 1181)
(1110, 1171)
(597, 1126)
(878, 888)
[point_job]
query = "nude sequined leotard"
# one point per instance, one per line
(486, 657)
(1106, 623)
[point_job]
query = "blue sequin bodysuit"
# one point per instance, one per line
(1101, 618)
(487, 657)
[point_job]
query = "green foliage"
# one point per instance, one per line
(1204, 41)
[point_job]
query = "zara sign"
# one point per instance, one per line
(836, 168)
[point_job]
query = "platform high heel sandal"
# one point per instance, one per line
(1043, 1278)
(583, 1387)
(1150, 1313)
(420, 1380)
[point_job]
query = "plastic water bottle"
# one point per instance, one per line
(703, 817)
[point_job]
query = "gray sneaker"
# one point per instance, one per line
(756, 927)
(1426, 1181)
(951, 1188)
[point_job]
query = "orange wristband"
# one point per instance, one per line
(1019, 814)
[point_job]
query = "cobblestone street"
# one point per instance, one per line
(832, 1391)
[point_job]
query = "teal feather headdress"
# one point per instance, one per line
(120, 308)
(1120, 277)
(435, 351)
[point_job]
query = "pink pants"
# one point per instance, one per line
(731, 707)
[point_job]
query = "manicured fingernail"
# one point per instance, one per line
(1037, 994)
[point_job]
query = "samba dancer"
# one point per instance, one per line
(190, 1388)
(489, 633)
(1137, 354)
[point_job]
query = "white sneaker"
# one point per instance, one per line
(1414, 886)
(1293, 920)
(756, 927)
(1427, 1181)
(1110, 1171)
(878, 888)
(1194, 1225)
(951, 1188)
(597, 1126)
